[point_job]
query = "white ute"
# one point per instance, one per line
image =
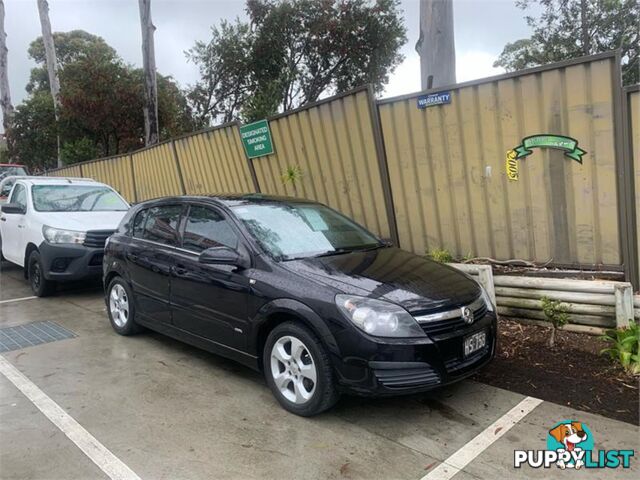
(56, 228)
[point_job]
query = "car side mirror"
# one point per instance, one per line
(222, 256)
(13, 208)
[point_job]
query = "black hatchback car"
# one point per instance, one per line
(299, 291)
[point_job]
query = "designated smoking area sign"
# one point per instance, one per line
(256, 139)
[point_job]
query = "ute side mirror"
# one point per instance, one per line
(14, 208)
(223, 256)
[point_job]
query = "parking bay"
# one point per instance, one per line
(167, 410)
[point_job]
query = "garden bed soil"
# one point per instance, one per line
(573, 373)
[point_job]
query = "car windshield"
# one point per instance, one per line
(76, 198)
(290, 231)
(11, 170)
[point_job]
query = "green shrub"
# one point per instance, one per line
(440, 255)
(291, 175)
(625, 343)
(556, 313)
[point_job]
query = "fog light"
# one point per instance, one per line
(60, 264)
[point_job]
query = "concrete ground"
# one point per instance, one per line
(170, 411)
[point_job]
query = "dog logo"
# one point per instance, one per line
(467, 315)
(569, 436)
(570, 445)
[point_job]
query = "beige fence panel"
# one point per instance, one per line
(71, 171)
(214, 162)
(115, 171)
(448, 177)
(333, 144)
(156, 172)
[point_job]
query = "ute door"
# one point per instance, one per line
(150, 257)
(210, 300)
(13, 227)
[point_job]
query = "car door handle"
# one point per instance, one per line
(3, 219)
(132, 257)
(20, 226)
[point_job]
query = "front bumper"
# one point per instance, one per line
(414, 365)
(70, 262)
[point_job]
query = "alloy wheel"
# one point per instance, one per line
(293, 369)
(119, 305)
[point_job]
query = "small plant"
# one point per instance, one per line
(557, 313)
(467, 258)
(625, 343)
(291, 175)
(440, 255)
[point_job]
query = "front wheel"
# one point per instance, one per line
(40, 286)
(120, 307)
(298, 370)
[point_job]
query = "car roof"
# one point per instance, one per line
(12, 165)
(232, 199)
(55, 180)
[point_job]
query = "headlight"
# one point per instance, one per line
(379, 318)
(487, 299)
(57, 235)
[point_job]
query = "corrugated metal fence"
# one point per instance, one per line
(448, 176)
(632, 121)
(435, 177)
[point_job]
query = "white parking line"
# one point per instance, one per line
(92, 448)
(17, 299)
(482, 441)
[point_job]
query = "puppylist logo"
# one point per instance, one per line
(570, 444)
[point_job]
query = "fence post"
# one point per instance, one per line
(133, 179)
(384, 168)
(485, 278)
(175, 157)
(624, 305)
(625, 178)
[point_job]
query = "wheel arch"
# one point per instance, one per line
(280, 311)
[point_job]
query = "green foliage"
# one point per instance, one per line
(440, 255)
(559, 33)
(78, 150)
(291, 52)
(555, 311)
(625, 345)
(292, 175)
(101, 105)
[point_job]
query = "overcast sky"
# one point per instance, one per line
(482, 27)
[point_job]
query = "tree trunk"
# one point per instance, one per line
(436, 45)
(5, 93)
(584, 26)
(149, 64)
(52, 63)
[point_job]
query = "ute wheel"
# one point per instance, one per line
(41, 286)
(120, 307)
(298, 370)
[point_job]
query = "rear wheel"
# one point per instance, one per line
(120, 307)
(298, 370)
(40, 286)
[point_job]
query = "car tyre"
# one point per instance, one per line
(121, 308)
(40, 286)
(298, 370)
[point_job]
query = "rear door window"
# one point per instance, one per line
(161, 224)
(207, 228)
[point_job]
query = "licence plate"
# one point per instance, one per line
(474, 342)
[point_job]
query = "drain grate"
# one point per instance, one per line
(21, 336)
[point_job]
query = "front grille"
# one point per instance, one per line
(97, 238)
(451, 324)
(407, 378)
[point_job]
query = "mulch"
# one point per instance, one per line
(573, 373)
